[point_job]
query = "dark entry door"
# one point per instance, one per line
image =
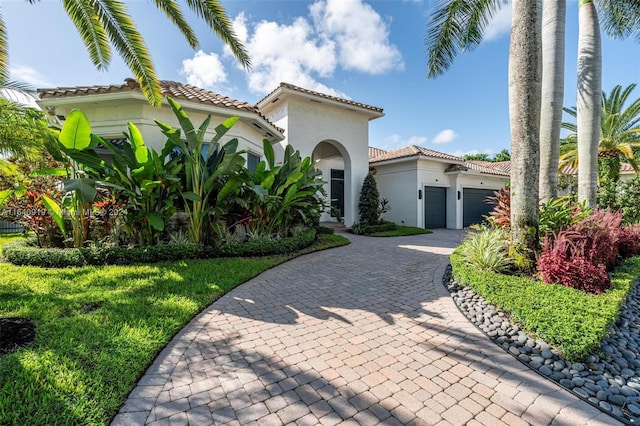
(474, 205)
(337, 192)
(435, 207)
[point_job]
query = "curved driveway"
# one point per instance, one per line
(362, 334)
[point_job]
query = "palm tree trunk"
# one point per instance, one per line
(553, 35)
(589, 100)
(524, 113)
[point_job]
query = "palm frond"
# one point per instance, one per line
(620, 18)
(19, 86)
(91, 31)
(129, 43)
(212, 12)
(456, 26)
(4, 52)
(173, 12)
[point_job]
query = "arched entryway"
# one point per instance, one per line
(332, 159)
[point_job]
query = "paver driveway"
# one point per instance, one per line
(362, 334)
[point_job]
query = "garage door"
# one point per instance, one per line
(474, 205)
(435, 207)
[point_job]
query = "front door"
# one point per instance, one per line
(337, 193)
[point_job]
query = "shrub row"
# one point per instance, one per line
(571, 320)
(360, 229)
(20, 253)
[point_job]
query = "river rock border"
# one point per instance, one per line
(610, 382)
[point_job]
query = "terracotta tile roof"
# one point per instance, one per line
(487, 167)
(325, 96)
(179, 91)
(414, 151)
(374, 152)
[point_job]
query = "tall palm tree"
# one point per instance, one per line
(553, 48)
(458, 25)
(525, 85)
(619, 135)
(105, 23)
(589, 104)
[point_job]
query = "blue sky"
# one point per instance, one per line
(368, 51)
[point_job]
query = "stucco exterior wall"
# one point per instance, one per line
(398, 183)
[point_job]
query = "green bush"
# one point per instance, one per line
(361, 229)
(571, 320)
(20, 253)
(325, 230)
(369, 204)
(488, 250)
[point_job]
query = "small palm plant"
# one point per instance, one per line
(620, 135)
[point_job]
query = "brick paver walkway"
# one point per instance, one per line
(362, 334)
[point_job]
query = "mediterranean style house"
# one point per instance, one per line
(425, 188)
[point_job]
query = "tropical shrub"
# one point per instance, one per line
(629, 241)
(360, 229)
(278, 198)
(500, 216)
(145, 185)
(210, 177)
(560, 213)
(369, 204)
(622, 196)
(487, 249)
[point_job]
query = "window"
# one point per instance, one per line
(252, 161)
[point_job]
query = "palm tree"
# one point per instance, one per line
(553, 41)
(457, 26)
(102, 24)
(588, 112)
(619, 135)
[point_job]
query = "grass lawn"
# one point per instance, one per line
(401, 231)
(571, 320)
(98, 328)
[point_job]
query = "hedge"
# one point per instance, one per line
(21, 253)
(359, 229)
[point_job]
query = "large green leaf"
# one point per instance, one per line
(55, 210)
(76, 131)
(191, 196)
(4, 195)
(137, 144)
(85, 189)
(269, 153)
(155, 221)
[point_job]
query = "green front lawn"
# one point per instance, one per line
(569, 319)
(98, 328)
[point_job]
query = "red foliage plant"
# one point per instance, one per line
(500, 216)
(629, 241)
(567, 259)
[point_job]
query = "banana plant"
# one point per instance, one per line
(147, 182)
(285, 195)
(210, 178)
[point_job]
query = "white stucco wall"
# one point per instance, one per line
(398, 183)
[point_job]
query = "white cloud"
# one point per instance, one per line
(500, 25)
(396, 141)
(345, 34)
(29, 76)
(445, 136)
(360, 33)
(204, 70)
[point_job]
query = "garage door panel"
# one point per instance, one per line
(474, 205)
(435, 207)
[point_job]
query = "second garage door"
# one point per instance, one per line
(475, 206)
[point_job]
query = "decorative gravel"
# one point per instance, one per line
(611, 383)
